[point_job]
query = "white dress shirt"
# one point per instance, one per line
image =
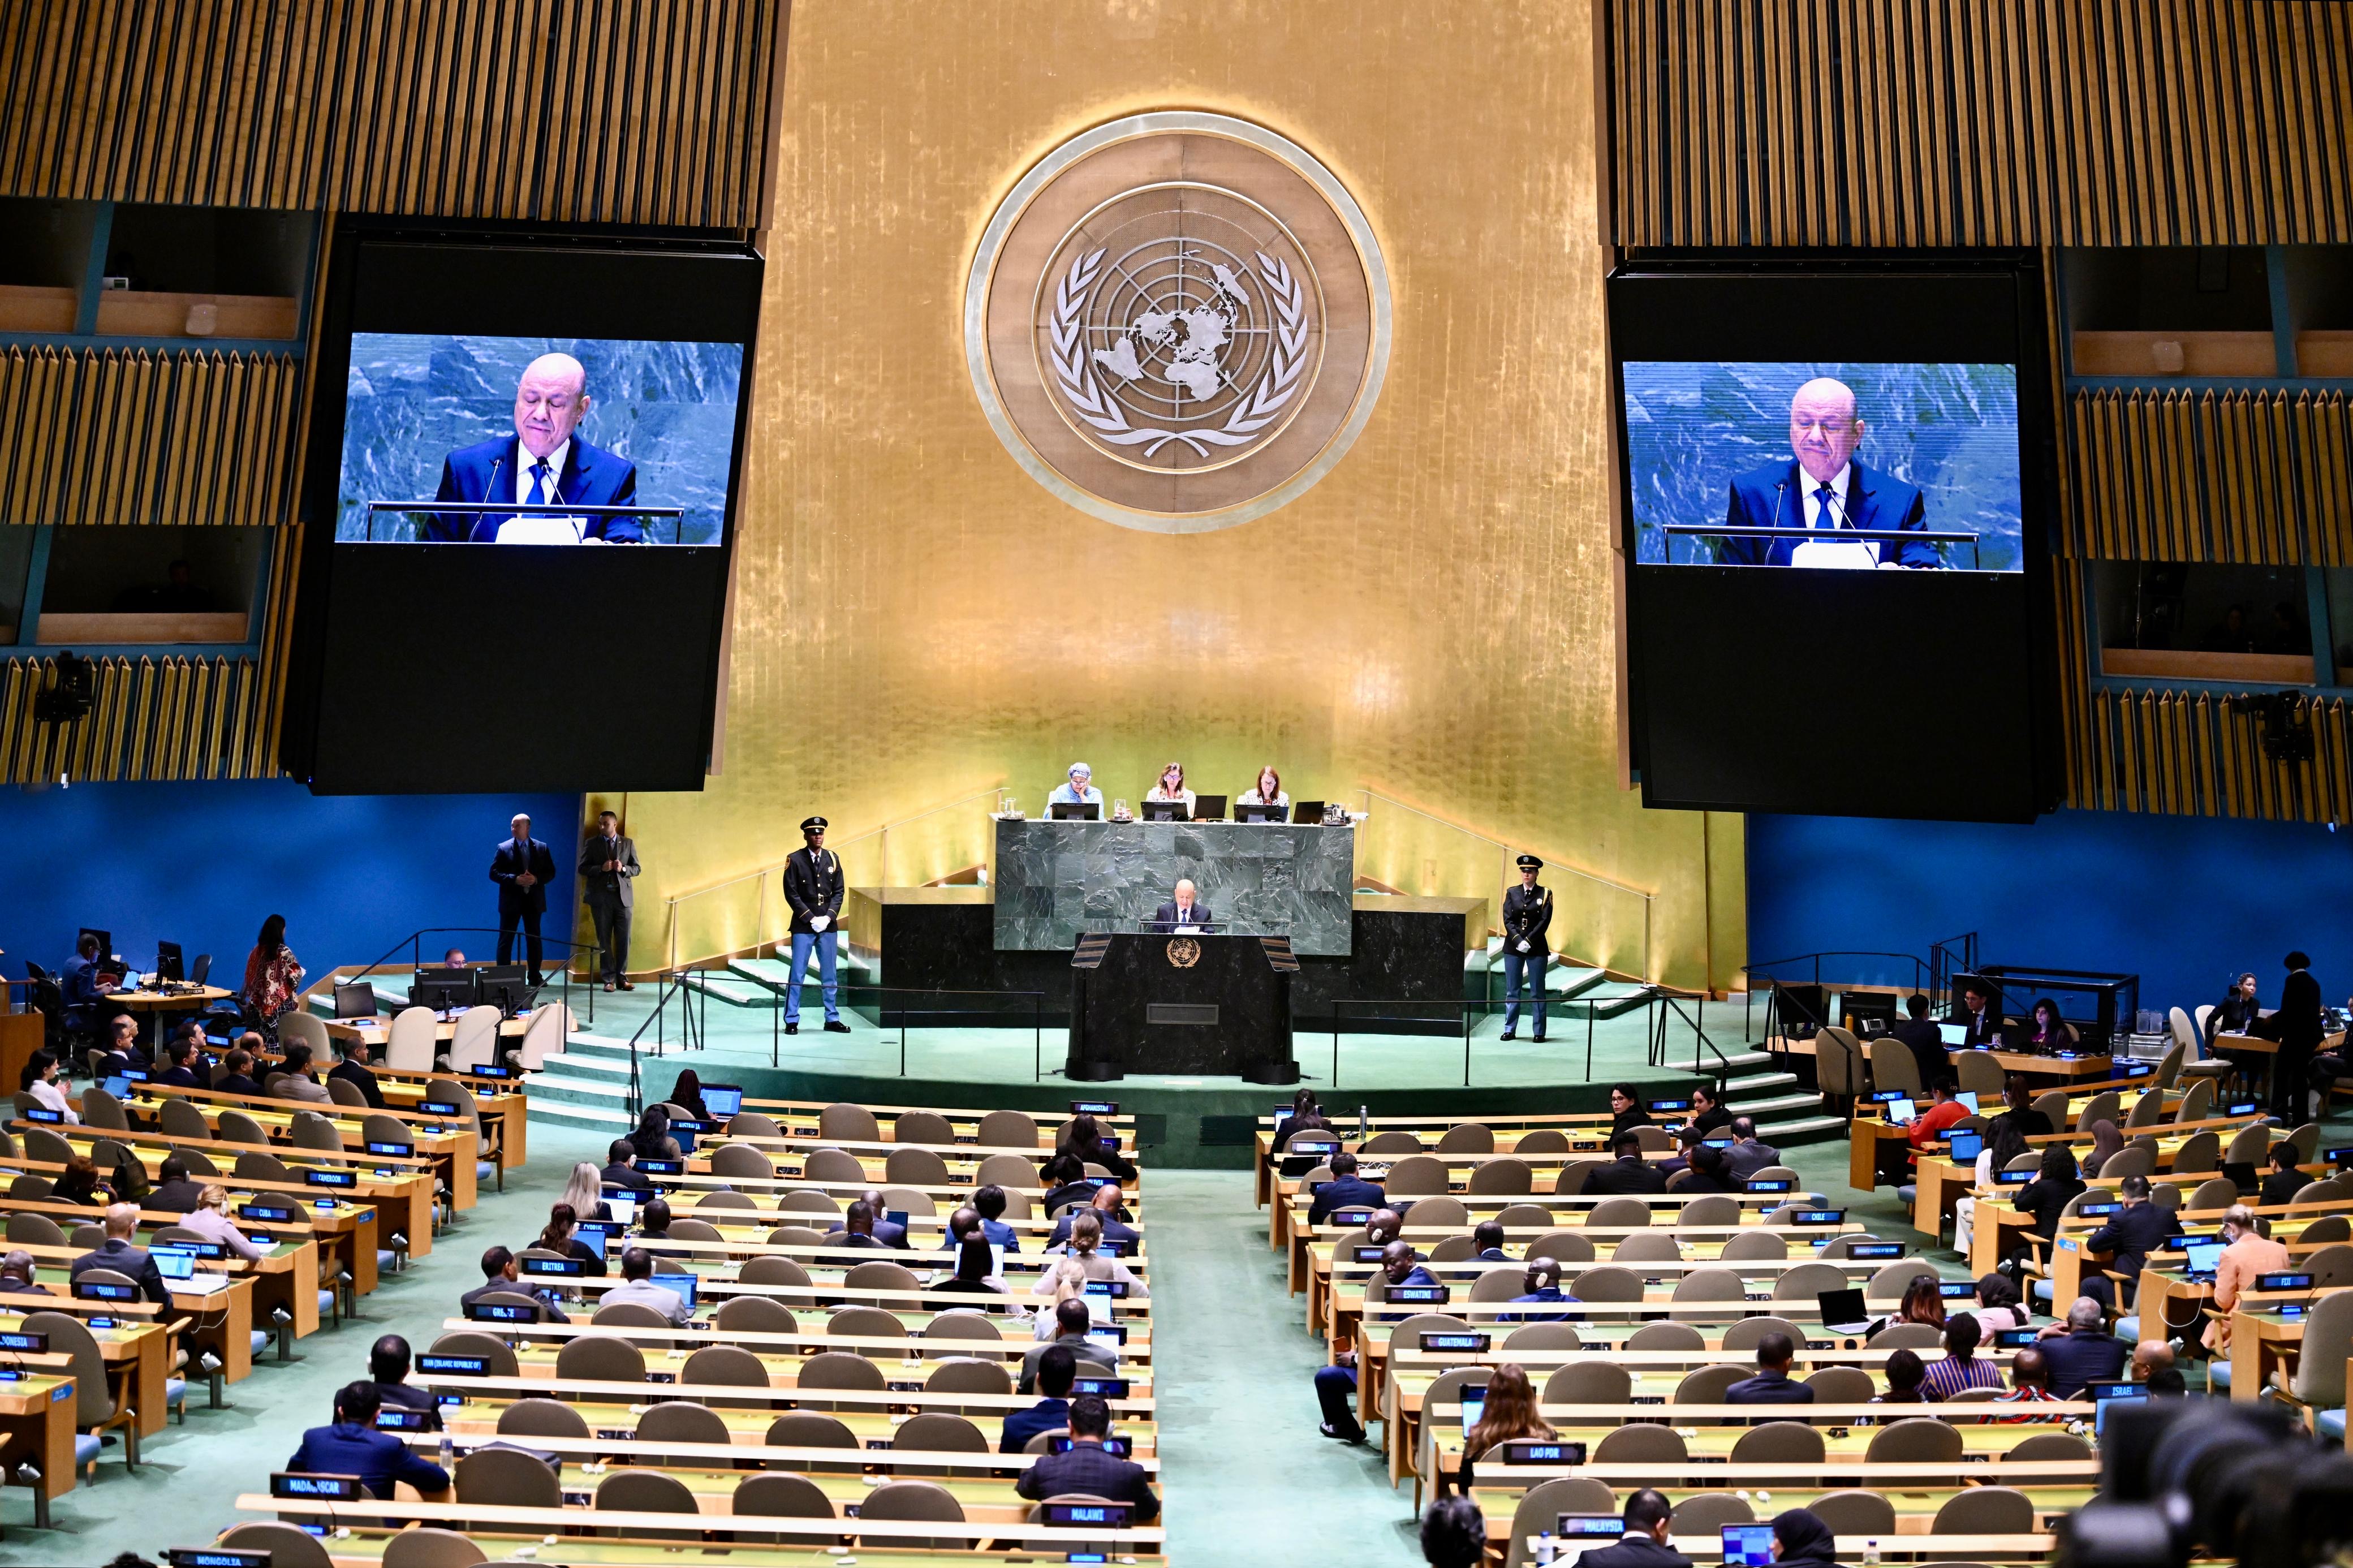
(525, 462)
(53, 1097)
(1815, 509)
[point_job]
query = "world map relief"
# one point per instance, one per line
(414, 398)
(1951, 430)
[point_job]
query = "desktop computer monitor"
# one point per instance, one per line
(169, 967)
(355, 1001)
(442, 989)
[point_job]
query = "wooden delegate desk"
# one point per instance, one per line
(501, 1103)
(140, 1351)
(219, 1321)
(486, 1520)
(349, 1218)
(284, 1277)
(1942, 1182)
(449, 1154)
(154, 1004)
(36, 1426)
(912, 1351)
(21, 1034)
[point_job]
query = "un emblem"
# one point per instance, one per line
(1177, 321)
(1184, 952)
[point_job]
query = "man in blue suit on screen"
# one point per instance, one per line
(1823, 488)
(543, 463)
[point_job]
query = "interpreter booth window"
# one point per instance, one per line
(150, 585)
(16, 565)
(2184, 621)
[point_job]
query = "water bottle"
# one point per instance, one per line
(1870, 1553)
(1544, 1547)
(1364, 1125)
(449, 1454)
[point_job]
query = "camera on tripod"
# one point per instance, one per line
(2208, 1478)
(2287, 731)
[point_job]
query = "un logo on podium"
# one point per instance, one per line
(1184, 952)
(1177, 321)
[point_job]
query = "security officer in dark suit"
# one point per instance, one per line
(608, 864)
(813, 886)
(522, 867)
(1527, 915)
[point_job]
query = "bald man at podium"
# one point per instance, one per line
(1185, 912)
(543, 463)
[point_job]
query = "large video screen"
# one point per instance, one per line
(570, 408)
(594, 440)
(1878, 429)
(1827, 466)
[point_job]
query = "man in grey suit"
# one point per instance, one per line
(608, 864)
(1748, 1154)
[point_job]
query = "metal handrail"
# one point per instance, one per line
(761, 874)
(416, 958)
(1551, 863)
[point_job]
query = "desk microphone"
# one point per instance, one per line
(490, 488)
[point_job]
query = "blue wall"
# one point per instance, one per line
(2178, 900)
(203, 864)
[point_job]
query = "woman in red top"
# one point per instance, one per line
(271, 974)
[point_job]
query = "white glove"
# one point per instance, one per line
(1523, 947)
(818, 923)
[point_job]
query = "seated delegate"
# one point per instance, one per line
(1182, 911)
(1079, 790)
(350, 1445)
(1085, 1469)
(1170, 787)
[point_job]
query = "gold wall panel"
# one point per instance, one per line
(155, 717)
(1433, 621)
(2187, 753)
(117, 435)
(591, 110)
(1937, 122)
(2244, 476)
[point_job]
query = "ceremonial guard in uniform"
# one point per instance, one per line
(813, 887)
(1527, 914)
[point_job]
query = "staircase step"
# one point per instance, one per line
(579, 1067)
(733, 993)
(1778, 1105)
(1804, 1129)
(1606, 1001)
(776, 973)
(1740, 1090)
(1731, 1062)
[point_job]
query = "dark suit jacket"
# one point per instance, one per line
(179, 1197)
(1634, 1178)
(599, 886)
(179, 1078)
(378, 1459)
(2044, 1199)
(124, 1258)
(360, 1078)
(1164, 918)
(626, 1176)
(547, 1314)
(2074, 1359)
(1980, 1028)
(591, 477)
(1768, 1388)
(1747, 1157)
(408, 1399)
(2297, 1023)
(1046, 1416)
(1926, 1042)
(1773, 496)
(2132, 1234)
(1635, 1551)
(1345, 1192)
(1087, 1468)
(2280, 1187)
(236, 1083)
(510, 861)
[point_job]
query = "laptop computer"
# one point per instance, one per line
(117, 1085)
(1843, 1311)
(355, 1001)
(1746, 1545)
(2241, 1175)
(179, 1271)
(1968, 1100)
(1474, 1404)
(723, 1100)
(681, 1283)
(1965, 1147)
(1900, 1110)
(1075, 811)
(1952, 1033)
(2203, 1256)
(622, 1203)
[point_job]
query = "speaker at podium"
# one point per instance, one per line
(1193, 1002)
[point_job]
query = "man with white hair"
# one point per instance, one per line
(543, 463)
(1822, 487)
(522, 867)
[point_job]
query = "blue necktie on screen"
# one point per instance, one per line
(1825, 516)
(538, 476)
